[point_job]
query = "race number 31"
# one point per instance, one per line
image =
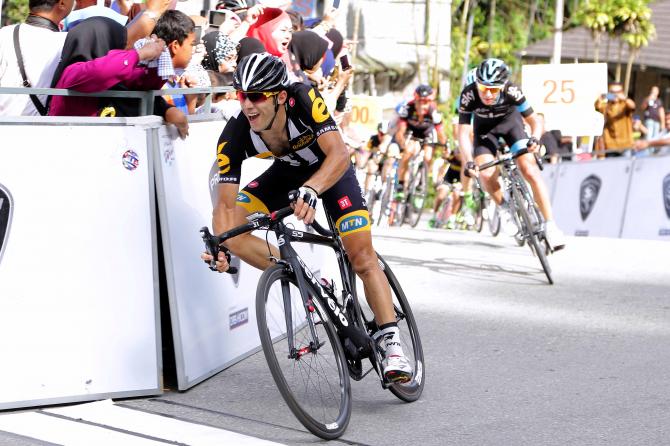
(559, 91)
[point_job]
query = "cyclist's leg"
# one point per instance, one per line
(371, 169)
(353, 224)
(516, 138)
(411, 147)
(484, 153)
(266, 193)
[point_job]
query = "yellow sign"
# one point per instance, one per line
(366, 113)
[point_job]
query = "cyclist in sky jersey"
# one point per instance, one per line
(290, 122)
(495, 108)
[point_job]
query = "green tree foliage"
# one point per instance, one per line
(14, 11)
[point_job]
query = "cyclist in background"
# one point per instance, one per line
(376, 147)
(449, 184)
(420, 119)
(495, 108)
(291, 123)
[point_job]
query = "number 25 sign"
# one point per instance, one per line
(565, 94)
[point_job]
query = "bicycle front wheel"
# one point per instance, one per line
(531, 228)
(311, 373)
(493, 216)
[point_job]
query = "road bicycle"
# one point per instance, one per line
(527, 216)
(315, 339)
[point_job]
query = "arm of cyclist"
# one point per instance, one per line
(223, 219)
(465, 144)
(400, 134)
(334, 166)
(536, 129)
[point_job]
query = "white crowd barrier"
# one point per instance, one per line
(78, 302)
(618, 197)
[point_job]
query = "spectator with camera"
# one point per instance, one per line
(618, 111)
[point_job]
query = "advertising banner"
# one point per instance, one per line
(566, 94)
(366, 114)
(648, 206)
(213, 315)
(78, 309)
(590, 197)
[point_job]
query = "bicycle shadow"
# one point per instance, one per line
(449, 242)
(461, 268)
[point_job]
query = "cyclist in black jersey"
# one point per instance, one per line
(291, 123)
(496, 108)
(420, 119)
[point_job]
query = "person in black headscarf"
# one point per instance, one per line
(221, 53)
(249, 45)
(94, 59)
(309, 48)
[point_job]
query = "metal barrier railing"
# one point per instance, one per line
(146, 98)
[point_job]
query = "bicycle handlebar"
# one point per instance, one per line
(506, 157)
(214, 243)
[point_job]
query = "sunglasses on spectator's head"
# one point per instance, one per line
(490, 89)
(255, 96)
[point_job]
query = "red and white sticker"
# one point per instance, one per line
(252, 185)
(344, 202)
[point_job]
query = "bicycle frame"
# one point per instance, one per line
(307, 281)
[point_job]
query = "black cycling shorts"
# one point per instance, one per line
(452, 176)
(509, 128)
(344, 201)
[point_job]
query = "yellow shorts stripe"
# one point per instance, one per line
(251, 203)
(353, 222)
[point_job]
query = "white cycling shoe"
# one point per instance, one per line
(507, 223)
(397, 369)
(555, 236)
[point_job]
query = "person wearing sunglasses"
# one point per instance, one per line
(291, 123)
(418, 118)
(492, 108)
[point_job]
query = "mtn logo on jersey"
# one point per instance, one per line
(6, 209)
(353, 222)
(243, 198)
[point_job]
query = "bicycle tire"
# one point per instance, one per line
(530, 232)
(443, 212)
(309, 403)
(409, 335)
(385, 198)
(416, 197)
(493, 217)
(479, 215)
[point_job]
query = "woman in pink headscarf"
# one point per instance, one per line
(273, 28)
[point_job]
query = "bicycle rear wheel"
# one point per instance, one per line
(312, 378)
(409, 334)
(531, 228)
(479, 214)
(417, 195)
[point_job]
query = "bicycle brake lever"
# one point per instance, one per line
(213, 248)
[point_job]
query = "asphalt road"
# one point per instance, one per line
(510, 360)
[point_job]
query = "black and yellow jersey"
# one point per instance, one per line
(307, 118)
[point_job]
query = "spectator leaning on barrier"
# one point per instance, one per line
(661, 143)
(618, 111)
(40, 44)
(94, 59)
(177, 30)
(653, 113)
